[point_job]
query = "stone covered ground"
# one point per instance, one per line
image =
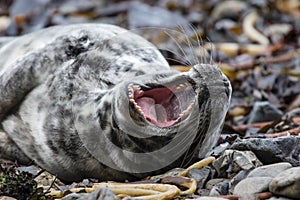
(256, 43)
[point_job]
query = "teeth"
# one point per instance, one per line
(130, 95)
(182, 86)
(134, 90)
(130, 85)
(189, 108)
(136, 87)
(141, 111)
(178, 88)
(141, 92)
(137, 107)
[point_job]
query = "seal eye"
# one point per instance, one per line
(162, 106)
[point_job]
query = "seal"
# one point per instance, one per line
(98, 101)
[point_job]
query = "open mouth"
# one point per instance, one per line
(162, 106)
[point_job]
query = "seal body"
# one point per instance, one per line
(97, 101)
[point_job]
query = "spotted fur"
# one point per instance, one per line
(64, 87)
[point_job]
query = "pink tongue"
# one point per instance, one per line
(155, 113)
(148, 106)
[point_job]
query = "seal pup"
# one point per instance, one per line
(97, 101)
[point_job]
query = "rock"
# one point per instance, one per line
(287, 183)
(232, 161)
(30, 169)
(218, 150)
(264, 111)
(99, 194)
(200, 175)
(279, 198)
(252, 185)
(236, 179)
(271, 170)
(143, 15)
(218, 186)
(6, 198)
(272, 150)
(209, 198)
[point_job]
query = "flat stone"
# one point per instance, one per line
(287, 183)
(279, 198)
(217, 186)
(6, 198)
(236, 179)
(99, 194)
(264, 111)
(233, 161)
(201, 175)
(272, 150)
(208, 198)
(252, 185)
(271, 170)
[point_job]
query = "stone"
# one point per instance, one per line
(252, 185)
(232, 161)
(272, 150)
(236, 179)
(271, 170)
(279, 198)
(264, 111)
(209, 198)
(218, 150)
(99, 194)
(143, 15)
(200, 175)
(7, 198)
(287, 183)
(217, 187)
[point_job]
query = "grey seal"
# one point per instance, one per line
(98, 101)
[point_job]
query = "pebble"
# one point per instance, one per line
(252, 185)
(271, 170)
(264, 111)
(200, 175)
(236, 179)
(279, 198)
(217, 186)
(233, 161)
(209, 198)
(99, 194)
(272, 150)
(287, 183)
(6, 198)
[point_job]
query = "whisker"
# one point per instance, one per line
(211, 61)
(189, 43)
(184, 60)
(180, 48)
(179, 61)
(199, 40)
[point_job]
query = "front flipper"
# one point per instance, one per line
(10, 151)
(18, 79)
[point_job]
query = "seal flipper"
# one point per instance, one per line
(20, 77)
(9, 150)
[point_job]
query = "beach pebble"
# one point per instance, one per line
(287, 183)
(271, 170)
(252, 185)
